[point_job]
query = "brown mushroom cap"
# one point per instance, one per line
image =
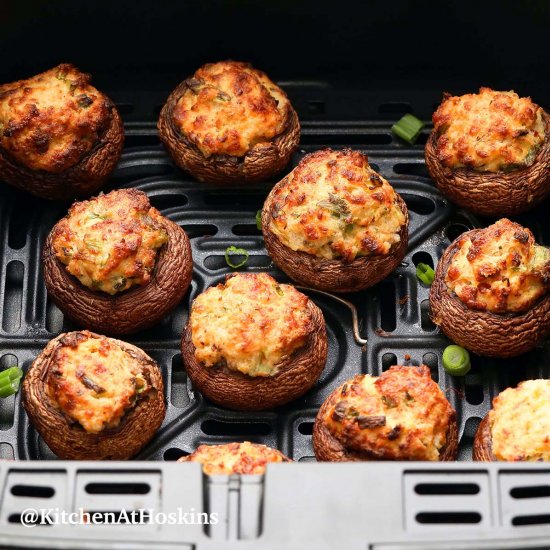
(483, 332)
(132, 310)
(83, 179)
(483, 442)
(332, 275)
(494, 193)
(296, 374)
(67, 439)
(329, 449)
(262, 161)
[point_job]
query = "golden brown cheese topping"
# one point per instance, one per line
(500, 269)
(249, 324)
(400, 415)
(235, 458)
(229, 107)
(50, 121)
(520, 422)
(333, 205)
(110, 243)
(488, 131)
(95, 382)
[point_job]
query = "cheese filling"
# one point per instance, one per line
(500, 269)
(333, 205)
(110, 243)
(94, 382)
(489, 131)
(229, 107)
(520, 422)
(400, 415)
(234, 458)
(249, 324)
(50, 121)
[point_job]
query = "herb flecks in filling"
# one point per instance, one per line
(110, 243)
(500, 269)
(489, 131)
(400, 415)
(94, 382)
(333, 205)
(249, 324)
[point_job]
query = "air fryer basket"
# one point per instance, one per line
(385, 325)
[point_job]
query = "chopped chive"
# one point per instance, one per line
(259, 219)
(234, 251)
(408, 128)
(9, 381)
(456, 360)
(425, 274)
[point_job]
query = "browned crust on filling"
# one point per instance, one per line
(332, 275)
(134, 309)
(232, 389)
(261, 162)
(483, 332)
(329, 449)
(493, 193)
(66, 438)
(81, 180)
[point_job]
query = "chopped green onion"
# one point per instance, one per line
(233, 250)
(259, 219)
(9, 381)
(456, 360)
(425, 273)
(408, 128)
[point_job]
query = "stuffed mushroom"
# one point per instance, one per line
(229, 123)
(253, 344)
(517, 428)
(60, 137)
(235, 458)
(400, 415)
(114, 264)
(491, 290)
(94, 398)
(490, 152)
(334, 223)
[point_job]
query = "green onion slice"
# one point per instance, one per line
(456, 360)
(9, 381)
(234, 251)
(408, 128)
(425, 274)
(259, 219)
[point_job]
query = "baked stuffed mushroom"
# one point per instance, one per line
(517, 428)
(491, 290)
(60, 137)
(490, 152)
(235, 458)
(251, 343)
(114, 264)
(400, 415)
(229, 123)
(335, 224)
(94, 398)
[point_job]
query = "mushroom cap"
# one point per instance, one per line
(483, 332)
(494, 193)
(262, 161)
(296, 374)
(68, 440)
(81, 180)
(134, 309)
(329, 449)
(332, 275)
(483, 442)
